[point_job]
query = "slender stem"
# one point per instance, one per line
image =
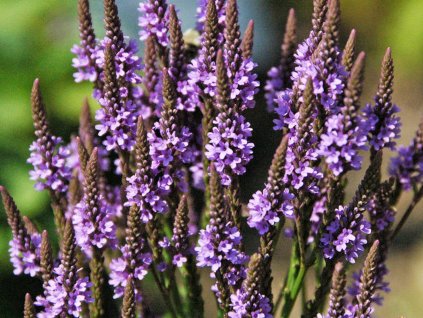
(417, 197)
(293, 293)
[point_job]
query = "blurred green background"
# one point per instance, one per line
(35, 41)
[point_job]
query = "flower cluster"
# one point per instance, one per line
(176, 130)
(25, 254)
(154, 21)
(49, 165)
(93, 230)
(229, 147)
(346, 234)
(119, 269)
(262, 211)
(217, 244)
(241, 307)
(59, 300)
(407, 166)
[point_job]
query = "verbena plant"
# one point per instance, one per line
(151, 188)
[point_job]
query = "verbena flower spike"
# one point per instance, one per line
(147, 195)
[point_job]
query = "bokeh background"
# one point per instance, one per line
(35, 41)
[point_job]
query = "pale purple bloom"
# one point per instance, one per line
(64, 295)
(24, 253)
(85, 70)
(129, 264)
(274, 86)
(346, 234)
(48, 158)
(142, 192)
(340, 144)
(258, 307)
(169, 147)
(266, 208)
(154, 21)
(117, 119)
(407, 166)
(93, 228)
(219, 244)
(229, 148)
(382, 125)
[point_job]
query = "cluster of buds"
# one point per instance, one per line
(174, 127)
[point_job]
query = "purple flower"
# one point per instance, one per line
(64, 295)
(154, 21)
(407, 166)
(169, 147)
(117, 119)
(241, 307)
(49, 161)
(221, 243)
(25, 254)
(383, 129)
(82, 62)
(300, 170)
(129, 264)
(274, 86)
(340, 145)
(127, 62)
(90, 232)
(345, 234)
(265, 209)
(229, 148)
(142, 192)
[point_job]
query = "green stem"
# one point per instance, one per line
(292, 295)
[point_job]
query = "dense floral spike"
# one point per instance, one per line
(248, 41)
(382, 217)
(279, 77)
(46, 259)
(177, 59)
(129, 304)
(274, 202)
(112, 23)
(141, 189)
(202, 8)
(337, 293)
(367, 285)
(86, 128)
(407, 166)
(232, 38)
(347, 232)
(322, 64)
(228, 147)
(154, 21)
(300, 170)
(65, 293)
(84, 62)
(135, 260)
(180, 238)
(29, 309)
(200, 87)
(152, 97)
(48, 156)
(117, 117)
(24, 247)
(380, 120)
(348, 55)
(343, 138)
(169, 142)
(248, 301)
(94, 227)
(219, 244)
